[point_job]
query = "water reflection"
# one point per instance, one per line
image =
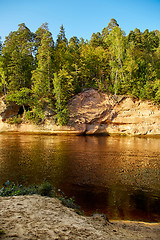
(119, 176)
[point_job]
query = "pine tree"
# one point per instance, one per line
(42, 75)
(39, 35)
(111, 25)
(0, 45)
(3, 83)
(96, 40)
(63, 90)
(61, 37)
(18, 59)
(61, 54)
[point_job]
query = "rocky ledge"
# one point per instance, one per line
(94, 112)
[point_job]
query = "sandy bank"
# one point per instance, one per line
(36, 217)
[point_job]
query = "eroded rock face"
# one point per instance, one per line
(7, 111)
(93, 112)
(102, 113)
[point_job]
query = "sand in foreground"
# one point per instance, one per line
(36, 217)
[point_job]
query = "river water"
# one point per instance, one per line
(118, 176)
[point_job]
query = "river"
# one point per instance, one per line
(118, 176)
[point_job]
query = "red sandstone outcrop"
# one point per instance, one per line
(93, 112)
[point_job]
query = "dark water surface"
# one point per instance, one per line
(119, 176)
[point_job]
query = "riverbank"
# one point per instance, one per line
(37, 217)
(91, 113)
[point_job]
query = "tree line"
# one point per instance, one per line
(35, 71)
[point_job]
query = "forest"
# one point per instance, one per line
(36, 71)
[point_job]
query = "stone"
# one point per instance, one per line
(104, 113)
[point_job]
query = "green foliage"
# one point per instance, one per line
(111, 25)
(36, 115)
(44, 189)
(0, 45)
(20, 97)
(62, 116)
(11, 189)
(3, 83)
(42, 75)
(34, 71)
(156, 88)
(63, 90)
(94, 66)
(39, 35)
(116, 42)
(69, 202)
(61, 53)
(14, 120)
(18, 58)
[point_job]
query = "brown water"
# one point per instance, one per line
(119, 176)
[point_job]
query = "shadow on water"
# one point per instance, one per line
(119, 176)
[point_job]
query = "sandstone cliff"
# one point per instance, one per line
(92, 112)
(103, 113)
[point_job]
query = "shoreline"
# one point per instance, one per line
(90, 113)
(74, 133)
(37, 217)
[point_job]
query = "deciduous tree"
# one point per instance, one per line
(116, 40)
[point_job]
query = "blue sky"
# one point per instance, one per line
(80, 18)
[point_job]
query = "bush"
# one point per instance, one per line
(11, 189)
(14, 120)
(36, 116)
(46, 189)
(62, 116)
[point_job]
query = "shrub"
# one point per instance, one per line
(11, 189)
(36, 115)
(14, 120)
(62, 116)
(46, 189)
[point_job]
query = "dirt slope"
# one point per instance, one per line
(36, 217)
